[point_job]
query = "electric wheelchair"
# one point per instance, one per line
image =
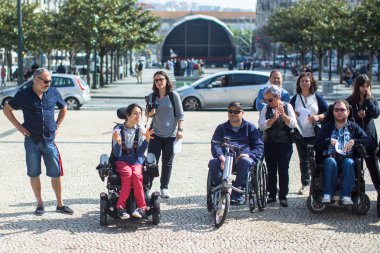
(108, 200)
(218, 196)
(361, 202)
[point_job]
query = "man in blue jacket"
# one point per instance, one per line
(275, 78)
(242, 134)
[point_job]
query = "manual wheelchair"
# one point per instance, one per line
(108, 200)
(218, 196)
(361, 202)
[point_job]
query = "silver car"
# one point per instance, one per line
(220, 89)
(73, 89)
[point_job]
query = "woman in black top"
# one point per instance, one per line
(365, 109)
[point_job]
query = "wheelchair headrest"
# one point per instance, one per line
(121, 112)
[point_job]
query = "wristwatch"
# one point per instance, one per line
(180, 129)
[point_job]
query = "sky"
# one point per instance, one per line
(242, 4)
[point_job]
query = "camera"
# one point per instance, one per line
(150, 105)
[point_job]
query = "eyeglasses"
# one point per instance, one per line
(159, 80)
(234, 112)
(269, 100)
(340, 109)
(45, 81)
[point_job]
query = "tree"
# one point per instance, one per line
(366, 19)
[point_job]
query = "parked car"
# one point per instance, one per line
(73, 89)
(219, 89)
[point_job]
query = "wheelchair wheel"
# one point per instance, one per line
(156, 215)
(361, 204)
(220, 213)
(103, 209)
(209, 195)
(314, 206)
(249, 193)
(260, 185)
(378, 205)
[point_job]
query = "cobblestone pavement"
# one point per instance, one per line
(186, 226)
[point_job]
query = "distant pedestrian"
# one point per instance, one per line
(139, 70)
(37, 103)
(230, 66)
(61, 69)
(3, 75)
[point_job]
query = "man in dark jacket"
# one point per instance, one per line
(242, 134)
(335, 141)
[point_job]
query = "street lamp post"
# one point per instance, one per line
(19, 45)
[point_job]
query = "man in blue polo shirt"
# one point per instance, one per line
(37, 104)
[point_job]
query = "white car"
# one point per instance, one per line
(222, 88)
(73, 89)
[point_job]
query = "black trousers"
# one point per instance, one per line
(162, 145)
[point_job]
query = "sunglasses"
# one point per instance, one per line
(340, 109)
(159, 80)
(45, 81)
(269, 100)
(234, 111)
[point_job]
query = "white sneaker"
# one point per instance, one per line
(326, 198)
(138, 213)
(165, 193)
(346, 200)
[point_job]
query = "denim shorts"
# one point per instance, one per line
(49, 152)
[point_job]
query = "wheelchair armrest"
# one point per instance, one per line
(360, 150)
(103, 167)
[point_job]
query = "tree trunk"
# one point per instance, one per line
(320, 63)
(101, 55)
(111, 74)
(88, 54)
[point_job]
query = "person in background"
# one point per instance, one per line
(309, 107)
(365, 109)
(275, 78)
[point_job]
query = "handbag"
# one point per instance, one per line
(295, 135)
(316, 129)
(316, 126)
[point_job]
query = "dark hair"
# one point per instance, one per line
(342, 101)
(236, 104)
(130, 109)
(359, 81)
(274, 71)
(313, 87)
(169, 85)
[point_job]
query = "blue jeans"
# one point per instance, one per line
(49, 152)
(243, 166)
(330, 175)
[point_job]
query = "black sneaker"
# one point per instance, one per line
(284, 203)
(40, 210)
(122, 213)
(65, 210)
(271, 200)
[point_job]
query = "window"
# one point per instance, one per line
(62, 82)
(248, 79)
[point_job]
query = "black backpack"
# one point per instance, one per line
(140, 67)
(135, 145)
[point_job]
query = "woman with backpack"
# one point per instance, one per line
(129, 143)
(165, 107)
